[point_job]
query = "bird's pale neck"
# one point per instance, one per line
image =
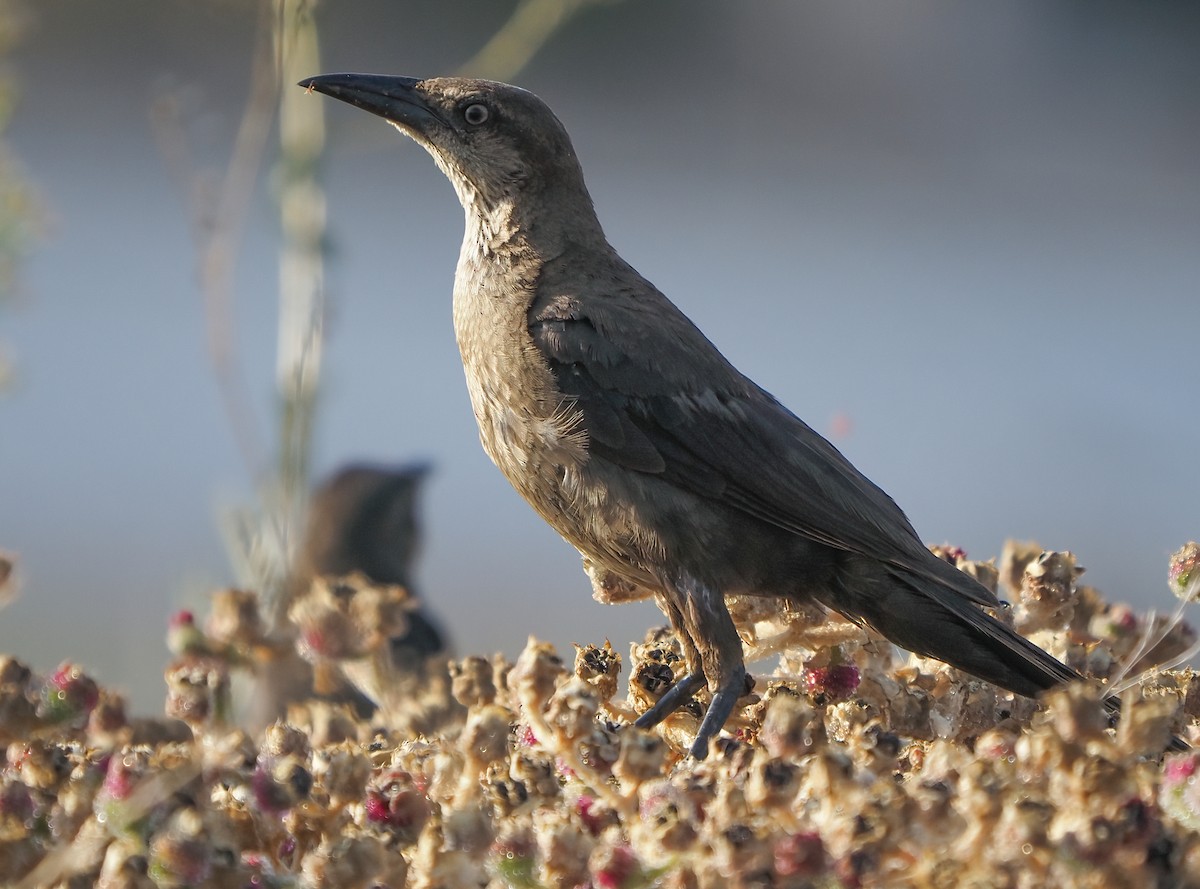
(538, 224)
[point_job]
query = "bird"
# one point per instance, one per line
(673, 474)
(362, 530)
(363, 518)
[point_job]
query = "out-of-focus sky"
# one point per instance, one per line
(972, 230)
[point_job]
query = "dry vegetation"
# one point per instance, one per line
(849, 765)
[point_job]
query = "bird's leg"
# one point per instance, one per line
(681, 692)
(674, 698)
(722, 705)
(713, 652)
(707, 620)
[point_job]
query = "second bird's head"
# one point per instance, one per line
(494, 141)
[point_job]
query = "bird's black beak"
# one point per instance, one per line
(393, 98)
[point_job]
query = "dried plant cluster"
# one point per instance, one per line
(849, 765)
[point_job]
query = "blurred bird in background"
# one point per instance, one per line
(359, 633)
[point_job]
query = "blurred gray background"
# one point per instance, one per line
(962, 239)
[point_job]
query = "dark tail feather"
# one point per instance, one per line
(939, 621)
(936, 620)
(965, 636)
(942, 623)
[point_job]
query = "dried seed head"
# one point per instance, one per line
(986, 573)
(342, 618)
(642, 756)
(571, 711)
(562, 849)
(342, 862)
(13, 671)
(614, 865)
(831, 682)
(539, 775)
(1146, 726)
(739, 849)
(1078, 713)
(512, 854)
(17, 809)
(68, 694)
(342, 771)
(485, 736)
(281, 739)
(1047, 595)
(198, 691)
(471, 681)
(181, 854)
(234, 618)
(948, 552)
(1015, 556)
(107, 720)
(184, 638)
(468, 829)
(505, 793)
(18, 707)
(791, 727)
(772, 782)
(595, 816)
(535, 674)
(599, 668)
(1116, 623)
(1179, 793)
(324, 722)
(280, 784)
(1184, 572)
(397, 804)
(800, 855)
(669, 816)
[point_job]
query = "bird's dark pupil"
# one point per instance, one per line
(476, 114)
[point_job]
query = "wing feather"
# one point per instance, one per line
(732, 443)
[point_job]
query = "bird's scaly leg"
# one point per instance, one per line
(674, 698)
(713, 653)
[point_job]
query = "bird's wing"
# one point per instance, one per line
(657, 397)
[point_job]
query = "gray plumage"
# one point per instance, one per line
(630, 433)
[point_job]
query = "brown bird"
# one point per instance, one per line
(363, 519)
(363, 529)
(634, 437)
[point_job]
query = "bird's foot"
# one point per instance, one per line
(674, 698)
(718, 712)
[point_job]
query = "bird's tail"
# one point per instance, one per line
(937, 620)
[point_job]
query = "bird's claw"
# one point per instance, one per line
(674, 698)
(718, 711)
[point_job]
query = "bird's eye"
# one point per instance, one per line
(475, 114)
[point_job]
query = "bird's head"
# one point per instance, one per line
(494, 141)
